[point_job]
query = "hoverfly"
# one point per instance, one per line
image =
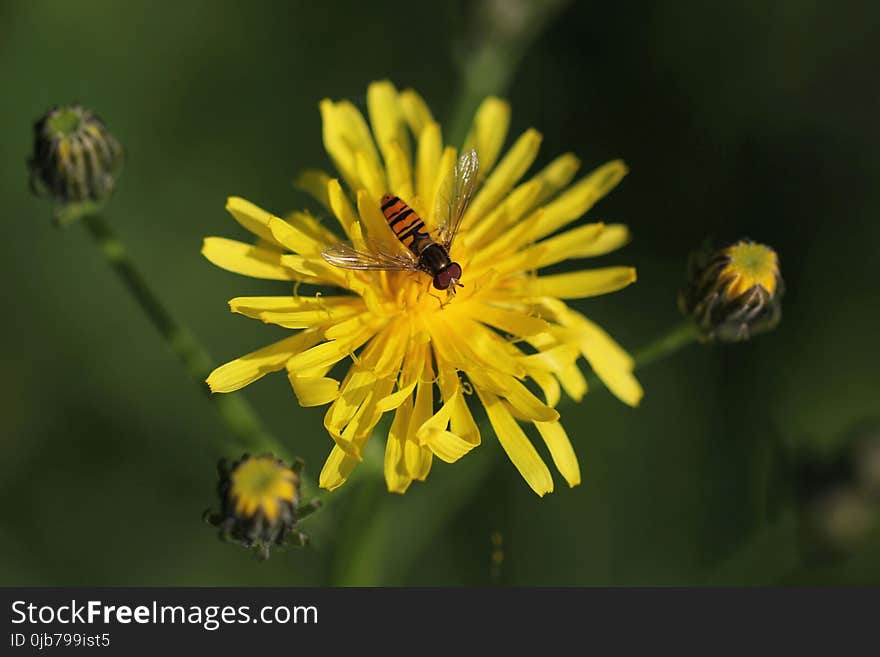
(423, 252)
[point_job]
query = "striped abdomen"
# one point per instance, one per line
(406, 224)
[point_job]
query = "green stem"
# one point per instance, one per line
(666, 345)
(241, 420)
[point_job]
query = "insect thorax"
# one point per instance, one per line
(433, 257)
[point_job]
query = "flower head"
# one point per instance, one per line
(507, 335)
(75, 157)
(734, 293)
(260, 502)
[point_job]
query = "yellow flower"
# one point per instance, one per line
(505, 335)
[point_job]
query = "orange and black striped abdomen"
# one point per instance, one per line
(405, 223)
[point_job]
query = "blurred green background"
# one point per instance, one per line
(736, 119)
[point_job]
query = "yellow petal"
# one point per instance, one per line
(310, 225)
(579, 198)
(372, 176)
(489, 131)
(332, 351)
(253, 306)
(573, 382)
(530, 407)
(604, 356)
(314, 390)
(416, 111)
(561, 451)
(428, 161)
(515, 323)
(413, 366)
(337, 468)
(386, 117)
(581, 284)
(583, 242)
(555, 176)
(247, 369)
(514, 441)
(314, 183)
(347, 135)
(246, 259)
(400, 180)
(397, 478)
(511, 168)
(341, 206)
(272, 228)
(250, 217)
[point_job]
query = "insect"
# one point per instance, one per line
(423, 252)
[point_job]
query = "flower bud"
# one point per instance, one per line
(75, 158)
(260, 503)
(733, 294)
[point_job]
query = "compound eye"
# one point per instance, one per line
(454, 270)
(443, 279)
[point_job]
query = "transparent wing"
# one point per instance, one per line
(455, 195)
(374, 255)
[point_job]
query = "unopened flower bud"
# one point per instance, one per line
(75, 157)
(734, 294)
(260, 503)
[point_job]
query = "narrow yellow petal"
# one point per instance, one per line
(314, 183)
(347, 135)
(246, 259)
(332, 351)
(272, 228)
(561, 451)
(428, 161)
(488, 132)
(386, 117)
(397, 478)
(413, 366)
(555, 176)
(372, 176)
(526, 404)
(337, 468)
(583, 242)
(341, 206)
(416, 111)
(573, 382)
(254, 306)
(515, 323)
(578, 199)
(250, 217)
(580, 284)
(440, 198)
(400, 180)
(511, 168)
(247, 369)
(310, 225)
(514, 441)
(314, 390)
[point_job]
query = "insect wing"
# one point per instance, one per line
(373, 256)
(455, 196)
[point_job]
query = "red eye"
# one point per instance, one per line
(443, 279)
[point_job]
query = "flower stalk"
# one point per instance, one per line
(236, 413)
